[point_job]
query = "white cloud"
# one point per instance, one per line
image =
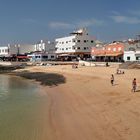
(77, 24)
(90, 22)
(60, 25)
(115, 12)
(126, 19)
(135, 12)
(29, 21)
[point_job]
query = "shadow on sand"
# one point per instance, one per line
(47, 79)
(115, 84)
(137, 90)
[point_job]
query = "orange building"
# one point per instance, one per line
(111, 52)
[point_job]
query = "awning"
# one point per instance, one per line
(66, 55)
(22, 57)
(137, 54)
(113, 54)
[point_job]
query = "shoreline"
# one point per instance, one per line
(85, 105)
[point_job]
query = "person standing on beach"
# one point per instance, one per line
(112, 79)
(134, 85)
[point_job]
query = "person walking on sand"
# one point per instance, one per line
(134, 85)
(112, 79)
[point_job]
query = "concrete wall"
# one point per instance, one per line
(21, 49)
(26, 49)
(42, 57)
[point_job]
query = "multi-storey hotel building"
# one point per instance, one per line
(79, 43)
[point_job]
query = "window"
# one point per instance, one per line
(138, 58)
(44, 56)
(84, 48)
(73, 48)
(131, 49)
(85, 41)
(114, 49)
(52, 56)
(78, 40)
(6, 50)
(37, 56)
(78, 48)
(119, 48)
(66, 48)
(73, 40)
(92, 41)
(128, 57)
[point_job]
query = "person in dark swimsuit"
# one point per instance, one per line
(134, 85)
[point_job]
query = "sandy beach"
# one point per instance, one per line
(82, 105)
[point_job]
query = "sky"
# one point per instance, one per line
(28, 21)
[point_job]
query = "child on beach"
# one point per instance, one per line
(134, 85)
(112, 79)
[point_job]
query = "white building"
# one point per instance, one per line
(46, 49)
(40, 46)
(131, 56)
(45, 46)
(42, 57)
(78, 43)
(4, 50)
(132, 51)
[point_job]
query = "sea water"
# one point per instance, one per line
(20, 105)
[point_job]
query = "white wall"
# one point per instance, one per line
(39, 57)
(40, 46)
(75, 43)
(45, 46)
(65, 44)
(4, 50)
(131, 54)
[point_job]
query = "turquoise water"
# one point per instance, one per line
(20, 103)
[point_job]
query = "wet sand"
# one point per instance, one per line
(86, 107)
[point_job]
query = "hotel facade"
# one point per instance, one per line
(78, 43)
(110, 52)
